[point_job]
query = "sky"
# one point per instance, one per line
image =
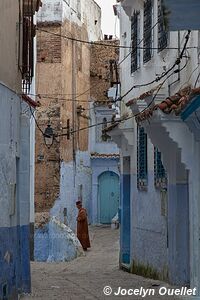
(108, 18)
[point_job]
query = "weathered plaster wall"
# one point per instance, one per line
(143, 202)
(85, 12)
(73, 176)
(160, 61)
(63, 70)
(56, 242)
(147, 214)
(9, 37)
(15, 195)
(101, 73)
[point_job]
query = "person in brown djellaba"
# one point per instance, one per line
(82, 226)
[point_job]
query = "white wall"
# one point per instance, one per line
(160, 62)
(84, 14)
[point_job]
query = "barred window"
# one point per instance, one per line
(160, 176)
(148, 32)
(27, 67)
(134, 41)
(162, 32)
(142, 168)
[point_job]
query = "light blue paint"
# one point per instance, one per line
(14, 261)
(55, 242)
(192, 107)
(41, 243)
(63, 244)
(178, 234)
(99, 166)
(72, 176)
(148, 225)
(108, 196)
(14, 207)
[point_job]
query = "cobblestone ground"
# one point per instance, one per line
(85, 277)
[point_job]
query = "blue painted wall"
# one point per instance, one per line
(56, 242)
(125, 219)
(178, 234)
(14, 261)
(41, 243)
(125, 212)
(14, 196)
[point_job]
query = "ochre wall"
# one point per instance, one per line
(63, 73)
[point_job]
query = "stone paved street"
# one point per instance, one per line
(85, 277)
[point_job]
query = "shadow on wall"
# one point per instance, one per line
(56, 242)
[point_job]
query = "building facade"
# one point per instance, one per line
(104, 153)
(63, 71)
(158, 200)
(16, 78)
(73, 79)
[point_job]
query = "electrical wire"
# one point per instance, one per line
(177, 62)
(95, 43)
(36, 121)
(118, 121)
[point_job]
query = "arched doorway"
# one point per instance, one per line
(108, 196)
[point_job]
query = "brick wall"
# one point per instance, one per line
(100, 74)
(49, 45)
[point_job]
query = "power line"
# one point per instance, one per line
(116, 121)
(104, 44)
(129, 117)
(177, 62)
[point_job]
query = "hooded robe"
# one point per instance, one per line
(82, 228)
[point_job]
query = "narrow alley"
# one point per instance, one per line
(86, 276)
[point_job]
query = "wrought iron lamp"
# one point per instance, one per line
(48, 136)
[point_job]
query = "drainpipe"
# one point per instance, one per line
(74, 106)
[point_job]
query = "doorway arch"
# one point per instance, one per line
(109, 193)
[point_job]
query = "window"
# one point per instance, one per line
(102, 136)
(160, 176)
(141, 159)
(162, 32)
(105, 137)
(134, 40)
(148, 33)
(27, 67)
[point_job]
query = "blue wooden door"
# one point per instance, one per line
(108, 196)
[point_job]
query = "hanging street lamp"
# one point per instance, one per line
(48, 136)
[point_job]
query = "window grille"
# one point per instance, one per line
(27, 67)
(101, 135)
(105, 137)
(160, 176)
(142, 167)
(148, 33)
(162, 32)
(134, 41)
